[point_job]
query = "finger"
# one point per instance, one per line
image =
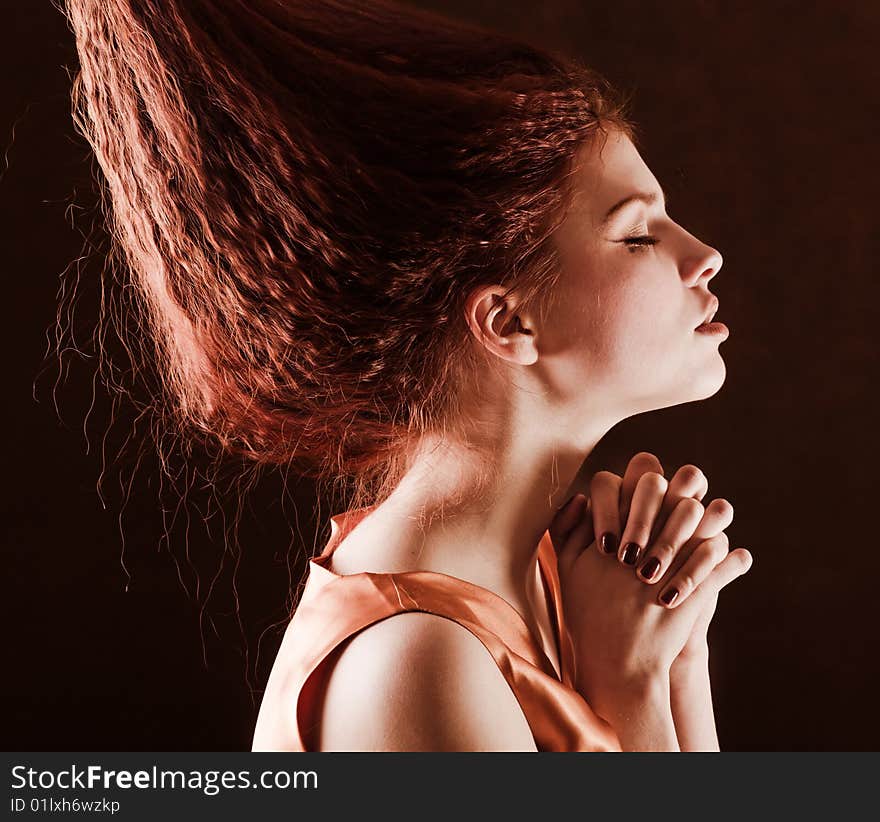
(688, 481)
(605, 496)
(678, 530)
(699, 565)
(641, 464)
(646, 502)
(566, 518)
(577, 540)
(734, 565)
(717, 518)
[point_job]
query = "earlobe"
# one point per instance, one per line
(516, 339)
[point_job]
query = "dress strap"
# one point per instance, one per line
(339, 607)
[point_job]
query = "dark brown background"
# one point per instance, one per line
(759, 120)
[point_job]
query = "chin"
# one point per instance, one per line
(699, 386)
(692, 386)
(709, 382)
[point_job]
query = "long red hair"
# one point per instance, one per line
(304, 193)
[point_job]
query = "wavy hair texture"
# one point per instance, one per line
(304, 194)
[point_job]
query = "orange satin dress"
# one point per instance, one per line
(333, 607)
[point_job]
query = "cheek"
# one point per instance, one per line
(614, 311)
(620, 319)
(622, 336)
(639, 320)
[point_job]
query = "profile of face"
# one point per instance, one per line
(633, 289)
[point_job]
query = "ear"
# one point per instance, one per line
(497, 324)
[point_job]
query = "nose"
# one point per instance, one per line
(706, 262)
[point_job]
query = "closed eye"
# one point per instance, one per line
(635, 244)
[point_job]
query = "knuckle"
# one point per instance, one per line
(637, 527)
(602, 478)
(654, 481)
(691, 506)
(664, 551)
(706, 549)
(709, 543)
(685, 583)
(718, 548)
(646, 456)
(691, 474)
(744, 558)
(722, 506)
(706, 556)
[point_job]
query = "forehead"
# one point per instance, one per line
(605, 171)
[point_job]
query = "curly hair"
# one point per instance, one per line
(303, 195)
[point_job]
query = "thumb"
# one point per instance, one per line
(566, 518)
(569, 547)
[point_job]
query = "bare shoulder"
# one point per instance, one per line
(419, 682)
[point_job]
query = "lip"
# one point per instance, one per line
(713, 329)
(710, 311)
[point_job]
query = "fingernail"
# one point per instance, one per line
(650, 568)
(631, 553)
(669, 596)
(609, 543)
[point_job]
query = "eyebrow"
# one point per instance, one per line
(648, 197)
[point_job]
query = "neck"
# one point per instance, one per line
(483, 515)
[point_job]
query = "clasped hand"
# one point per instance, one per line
(642, 594)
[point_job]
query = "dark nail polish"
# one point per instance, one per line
(631, 553)
(650, 568)
(669, 596)
(609, 543)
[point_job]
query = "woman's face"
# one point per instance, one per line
(622, 330)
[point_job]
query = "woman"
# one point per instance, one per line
(424, 262)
